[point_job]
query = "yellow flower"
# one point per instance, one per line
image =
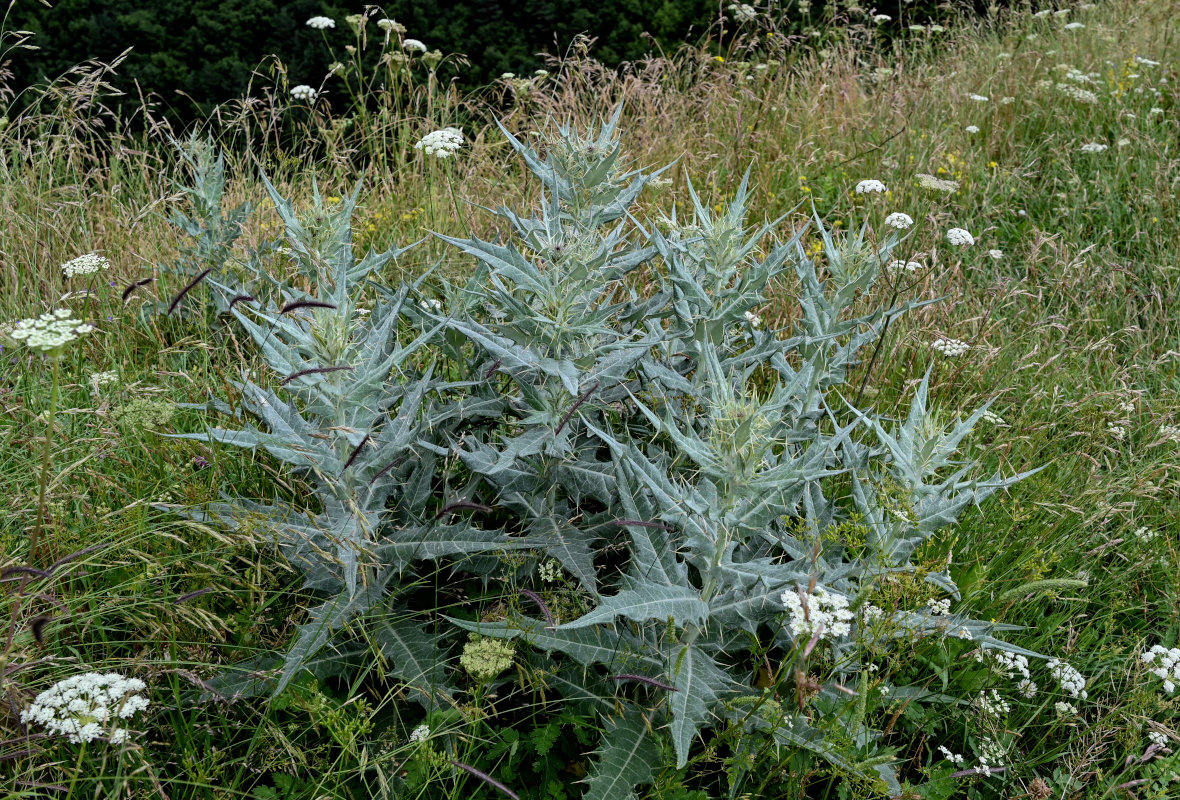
(992, 164)
(719, 59)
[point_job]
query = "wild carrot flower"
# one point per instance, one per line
(960, 237)
(49, 333)
(1070, 680)
(951, 348)
(972, 129)
(1165, 665)
(388, 25)
(898, 267)
(870, 186)
(899, 220)
(321, 23)
(1073, 26)
(88, 706)
(420, 734)
(978, 98)
(414, 46)
(303, 92)
(880, 18)
(937, 184)
(84, 265)
(444, 143)
(996, 254)
(1092, 147)
(826, 614)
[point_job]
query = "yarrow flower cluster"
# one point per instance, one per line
(50, 332)
(899, 220)
(321, 23)
(869, 187)
(1165, 665)
(939, 608)
(303, 92)
(960, 237)
(951, 348)
(825, 614)
(86, 707)
(1070, 680)
(84, 265)
(444, 143)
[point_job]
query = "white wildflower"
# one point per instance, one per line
(1070, 680)
(996, 254)
(1007, 100)
(1170, 433)
(898, 267)
(755, 320)
(972, 129)
(899, 220)
(1158, 738)
(1065, 709)
(84, 265)
(1093, 147)
(83, 708)
(549, 571)
(321, 23)
(1117, 431)
(994, 419)
(826, 614)
(743, 12)
(951, 348)
(1154, 111)
(880, 18)
(938, 608)
(960, 237)
(414, 46)
(954, 758)
(869, 187)
(978, 98)
(303, 92)
(991, 704)
(389, 25)
(50, 332)
(1147, 62)
(1145, 534)
(420, 734)
(1073, 26)
(443, 143)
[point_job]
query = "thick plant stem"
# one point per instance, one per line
(46, 459)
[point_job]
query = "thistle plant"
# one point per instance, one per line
(598, 395)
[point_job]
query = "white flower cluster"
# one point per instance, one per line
(939, 608)
(84, 265)
(304, 92)
(825, 613)
(1145, 534)
(880, 18)
(991, 754)
(549, 571)
(972, 129)
(1092, 147)
(978, 98)
(992, 418)
(991, 704)
(414, 46)
(899, 220)
(1070, 680)
(960, 237)
(1065, 709)
(951, 348)
(742, 12)
(444, 143)
(50, 332)
(869, 187)
(420, 734)
(1168, 667)
(321, 23)
(1077, 93)
(81, 708)
(1170, 433)
(1117, 431)
(954, 758)
(388, 25)
(1073, 26)
(898, 267)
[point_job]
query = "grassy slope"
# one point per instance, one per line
(1077, 318)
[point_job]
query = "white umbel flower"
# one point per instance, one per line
(50, 332)
(420, 734)
(869, 187)
(755, 320)
(881, 18)
(960, 237)
(84, 265)
(825, 615)
(951, 348)
(898, 267)
(1073, 26)
(972, 129)
(303, 92)
(321, 23)
(978, 98)
(88, 707)
(996, 255)
(899, 220)
(1070, 680)
(414, 46)
(1092, 147)
(444, 143)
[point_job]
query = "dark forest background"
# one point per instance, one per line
(193, 54)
